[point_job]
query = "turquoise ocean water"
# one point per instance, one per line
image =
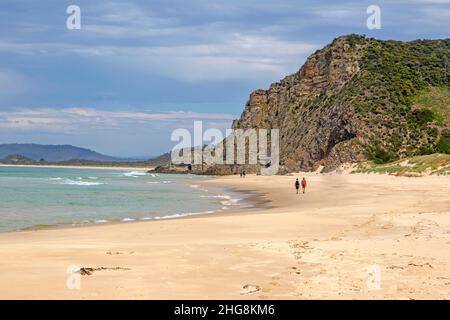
(32, 197)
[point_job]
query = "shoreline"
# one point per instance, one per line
(318, 245)
(77, 167)
(251, 200)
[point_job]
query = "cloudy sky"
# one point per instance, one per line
(139, 69)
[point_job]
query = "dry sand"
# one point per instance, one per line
(319, 245)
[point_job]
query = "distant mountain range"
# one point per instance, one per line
(52, 153)
(37, 154)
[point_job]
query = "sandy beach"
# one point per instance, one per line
(325, 244)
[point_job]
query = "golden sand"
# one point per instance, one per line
(324, 244)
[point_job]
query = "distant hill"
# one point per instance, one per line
(17, 159)
(52, 153)
(161, 160)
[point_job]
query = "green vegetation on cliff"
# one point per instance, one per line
(403, 97)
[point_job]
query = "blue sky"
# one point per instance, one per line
(139, 69)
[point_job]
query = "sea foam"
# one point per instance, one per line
(231, 202)
(180, 215)
(80, 183)
(160, 182)
(134, 174)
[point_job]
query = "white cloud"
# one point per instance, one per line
(334, 13)
(128, 20)
(70, 120)
(236, 56)
(432, 1)
(437, 15)
(169, 46)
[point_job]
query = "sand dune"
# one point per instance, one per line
(336, 241)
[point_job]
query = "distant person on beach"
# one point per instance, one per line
(304, 184)
(243, 173)
(297, 185)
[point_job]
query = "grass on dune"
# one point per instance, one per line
(434, 164)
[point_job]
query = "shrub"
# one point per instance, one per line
(443, 146)
(423, 116)
(379, 155)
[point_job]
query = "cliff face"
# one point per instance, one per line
(356, 99)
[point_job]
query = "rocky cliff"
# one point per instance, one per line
(358, 99)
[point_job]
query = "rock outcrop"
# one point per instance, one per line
(354, 100)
